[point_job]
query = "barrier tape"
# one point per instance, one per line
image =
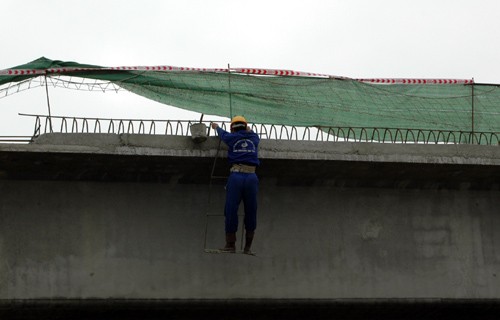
(417, 81)
(13, 72)
(252, 71)
(275, 72)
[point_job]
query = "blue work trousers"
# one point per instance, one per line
(241, 186)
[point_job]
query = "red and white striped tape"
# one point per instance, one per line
(13, 72)
(253, 71)
(164, 68)
(270, 72)
(275, 72)
(416, 81)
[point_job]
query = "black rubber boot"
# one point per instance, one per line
(248, 242)
(230, 243)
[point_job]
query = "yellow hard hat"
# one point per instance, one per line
(238, 123)
(239, 119)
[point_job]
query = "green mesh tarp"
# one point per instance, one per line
(302, 101)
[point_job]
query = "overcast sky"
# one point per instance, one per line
(352, 38)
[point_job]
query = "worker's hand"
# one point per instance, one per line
(214, 125)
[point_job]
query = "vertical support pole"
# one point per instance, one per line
(230, 96)
(472, 112)
(48, 102)
(231, 117)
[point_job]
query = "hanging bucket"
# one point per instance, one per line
(198, 132)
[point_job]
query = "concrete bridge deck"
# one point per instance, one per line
(94, 218)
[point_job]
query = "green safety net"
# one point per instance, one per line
(303, 101)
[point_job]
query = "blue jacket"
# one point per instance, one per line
(242, 146)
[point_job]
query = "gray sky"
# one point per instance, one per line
(352, 38)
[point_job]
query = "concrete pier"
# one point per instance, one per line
(88, 217)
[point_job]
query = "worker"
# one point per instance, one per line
(242, 183)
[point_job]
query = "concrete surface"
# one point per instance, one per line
(269, 149)
(124, 217)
